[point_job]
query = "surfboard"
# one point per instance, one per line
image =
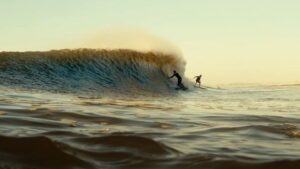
(200, 87)
(181, 87)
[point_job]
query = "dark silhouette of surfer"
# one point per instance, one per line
(179, 79)
(198, 80)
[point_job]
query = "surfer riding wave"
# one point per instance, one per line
(179, 80)
(94, 71)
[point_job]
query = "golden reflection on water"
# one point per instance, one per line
(233, 123)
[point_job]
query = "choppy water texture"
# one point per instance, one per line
(46, 122)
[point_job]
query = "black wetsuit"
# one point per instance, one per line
(178, 78)
(198, 79)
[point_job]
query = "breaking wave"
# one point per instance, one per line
(90, 70)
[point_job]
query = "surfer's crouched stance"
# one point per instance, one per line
(179, 79)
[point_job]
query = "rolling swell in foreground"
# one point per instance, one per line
(89, 70)
(57, 112)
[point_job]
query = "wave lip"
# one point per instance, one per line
(89, 70)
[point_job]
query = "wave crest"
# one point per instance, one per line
(89, 70)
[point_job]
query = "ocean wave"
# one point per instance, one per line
(89, 70)
(116, 151)
(36, 152)
(289, 130)
(141, 145)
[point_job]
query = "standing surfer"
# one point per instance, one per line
(198, 80)
(179, 79)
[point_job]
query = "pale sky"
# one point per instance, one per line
(228, 41)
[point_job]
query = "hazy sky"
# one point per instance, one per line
(228, 41)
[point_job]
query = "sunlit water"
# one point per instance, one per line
(232, 127)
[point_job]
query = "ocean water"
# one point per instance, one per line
(117, 109)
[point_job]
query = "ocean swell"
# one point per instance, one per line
(115, 152)
(89, 70)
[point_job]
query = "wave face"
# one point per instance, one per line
(89, 70)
